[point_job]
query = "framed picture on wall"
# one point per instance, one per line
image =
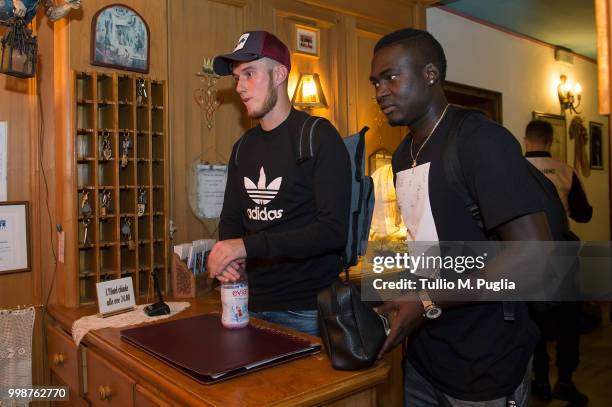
(14, 237)
(120, 39)
(559, 144)
(596, 145)
(306, 40)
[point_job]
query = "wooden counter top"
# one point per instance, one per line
(303, 382)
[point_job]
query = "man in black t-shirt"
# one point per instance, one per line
(459, 354)
(285, 222)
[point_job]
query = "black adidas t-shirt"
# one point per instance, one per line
(470, 352)
(293, 218)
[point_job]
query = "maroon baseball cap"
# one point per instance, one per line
(253, 45)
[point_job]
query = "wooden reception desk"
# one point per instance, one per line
(107, 371)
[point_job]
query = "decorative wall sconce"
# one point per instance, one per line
(19, 50)
(206, 96)
(308, 92)
(569, 98)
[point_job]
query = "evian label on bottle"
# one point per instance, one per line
(235, 300)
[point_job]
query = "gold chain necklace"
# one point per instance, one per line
(414, 158)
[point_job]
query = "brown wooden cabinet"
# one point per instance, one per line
(118, 195)
(120, 374)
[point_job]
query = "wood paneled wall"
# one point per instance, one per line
(17, 109)
(199, 29)
(205, 28)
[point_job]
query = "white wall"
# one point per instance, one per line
(526, 74)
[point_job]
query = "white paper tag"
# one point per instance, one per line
(115, 295)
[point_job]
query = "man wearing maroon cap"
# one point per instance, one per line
(284, 221)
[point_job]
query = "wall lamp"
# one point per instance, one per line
(19, 50)
(308, 92)
(569, 98)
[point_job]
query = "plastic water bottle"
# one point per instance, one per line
(235, 302)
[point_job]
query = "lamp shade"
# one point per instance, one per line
(308, 92)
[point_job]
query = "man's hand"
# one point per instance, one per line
(233, 271)
(407, 318)
(226, 260)
(19, 9)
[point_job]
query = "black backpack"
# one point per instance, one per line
(553, 207)
(555, 212)
(362, 189)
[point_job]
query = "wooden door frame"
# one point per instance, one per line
(475, 95)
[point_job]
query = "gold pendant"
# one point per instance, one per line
(414, 163)
(131, 244)
(103, 212)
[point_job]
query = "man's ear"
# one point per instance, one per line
(432, 74)
(280, 74)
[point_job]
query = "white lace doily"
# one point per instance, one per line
(16, 327)
(81, 326)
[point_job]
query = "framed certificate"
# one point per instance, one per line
(14, 237)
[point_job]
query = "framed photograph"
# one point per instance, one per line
(307, 40)
(14, 237)
(559, 145)
(596, 145)
(120, 39)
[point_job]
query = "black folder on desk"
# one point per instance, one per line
(208, 352)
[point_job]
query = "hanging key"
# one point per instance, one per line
(85, 229)
(105, 202)
(107, 147)
(126, 144)
(126, 231)
(141, 91)
(142, 201)
(85, 205)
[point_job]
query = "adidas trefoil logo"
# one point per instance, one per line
(262, 194)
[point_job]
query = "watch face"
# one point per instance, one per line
(433, 312)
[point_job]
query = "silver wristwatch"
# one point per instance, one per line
(432, 311)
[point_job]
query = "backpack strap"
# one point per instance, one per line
(304, 145)
(304, 149)
(244, 136)
(452, 165)
(454, 176)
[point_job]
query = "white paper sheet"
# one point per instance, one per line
(211, 189)
(13, 238)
